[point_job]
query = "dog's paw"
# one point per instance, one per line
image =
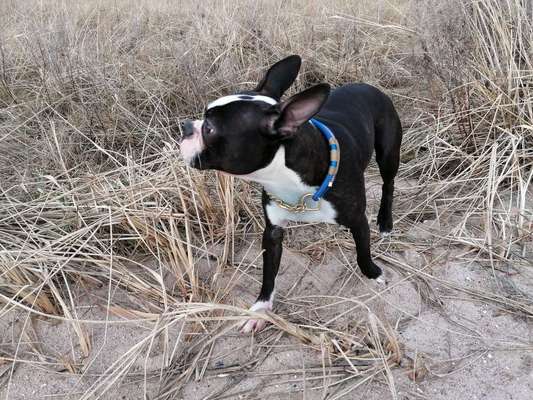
(372, 271)
(256, 325)
(381, 280)
(253, 325)
(384, 234)
(384, 222)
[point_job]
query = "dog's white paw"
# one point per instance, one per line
(253, 325)
(381, 281)
(256, 325)
(385, 234)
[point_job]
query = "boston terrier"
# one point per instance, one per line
(309, 152)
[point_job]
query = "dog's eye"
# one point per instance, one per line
(207, 128)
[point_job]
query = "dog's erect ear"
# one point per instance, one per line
(285, 118)
(280, 77)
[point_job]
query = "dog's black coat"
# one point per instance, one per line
(248, 134)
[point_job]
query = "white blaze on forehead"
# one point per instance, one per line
(240, 97)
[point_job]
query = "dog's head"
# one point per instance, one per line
(240, 133)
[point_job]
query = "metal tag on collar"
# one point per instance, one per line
(308, 198)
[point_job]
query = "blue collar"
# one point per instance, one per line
(334, 158)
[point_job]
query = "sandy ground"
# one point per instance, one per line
(454, 345)
(463, 349)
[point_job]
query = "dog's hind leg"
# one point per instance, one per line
(361, 236)
(388, 139)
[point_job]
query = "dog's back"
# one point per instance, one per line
(364, 119)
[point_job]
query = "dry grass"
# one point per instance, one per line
(91, 185)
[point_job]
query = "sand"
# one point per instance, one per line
(454, 344)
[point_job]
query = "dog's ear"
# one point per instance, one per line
(284, 119)
(280, 77)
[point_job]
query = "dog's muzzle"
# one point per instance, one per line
(192, 142)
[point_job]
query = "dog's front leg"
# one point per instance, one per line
(272, 248)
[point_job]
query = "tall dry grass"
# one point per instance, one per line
(91, 184)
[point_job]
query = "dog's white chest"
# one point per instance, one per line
(286, 185)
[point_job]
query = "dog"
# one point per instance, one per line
(307, 174)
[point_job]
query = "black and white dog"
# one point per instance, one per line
(256, 136)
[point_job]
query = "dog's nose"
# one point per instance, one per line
(187, 128)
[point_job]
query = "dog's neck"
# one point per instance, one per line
(308, 155)
(279, 180)
(299, 165)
